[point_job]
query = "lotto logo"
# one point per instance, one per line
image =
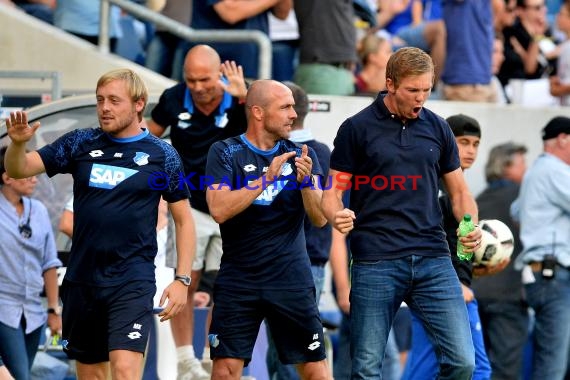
(134, 335)
(313, 346)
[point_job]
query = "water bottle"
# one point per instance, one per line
(465, 227)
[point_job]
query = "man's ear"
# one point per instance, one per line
(139, 105)
(5, 178)
(257, 112)
(390, 86)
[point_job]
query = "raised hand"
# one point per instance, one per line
(236, 82)
(18, 128)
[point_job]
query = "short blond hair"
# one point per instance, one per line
(135, 86)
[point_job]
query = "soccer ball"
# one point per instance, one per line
(497, 243)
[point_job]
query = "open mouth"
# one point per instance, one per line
(417, 109)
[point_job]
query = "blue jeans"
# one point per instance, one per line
(342, 363)
(278, 371)
(550, 300)
(285, 59)
(165, 54)
(431, 289)
(18, 349)
(422, 362)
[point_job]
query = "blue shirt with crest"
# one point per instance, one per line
(264, 245)
(117, 186)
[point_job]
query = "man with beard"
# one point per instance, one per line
(109, 285)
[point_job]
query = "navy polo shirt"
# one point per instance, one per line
(394, 188)
(192, 133)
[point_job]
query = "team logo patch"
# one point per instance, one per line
(107, 176)
(214, 341)
(141, 158)
(286, 169)
(184, 116)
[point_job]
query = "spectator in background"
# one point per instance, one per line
(318, 239)
(28, 258)
(467, 75)
(81, 18)
(502, 307)
(327, 46)
(543, 212)
(238, 15)
(404, 20)
(373, 52)
(530, 52)
(560, 82)
(41, 9)
(497, 60)
(166, 51)
(504, 15)
(284, 36)
(203, 109)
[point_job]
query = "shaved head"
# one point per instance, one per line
(263, 91)
(203, 56)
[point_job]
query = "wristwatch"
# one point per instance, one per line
(183, 278)
(52, 310)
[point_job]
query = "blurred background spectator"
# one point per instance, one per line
(166, 51)
(327, 46)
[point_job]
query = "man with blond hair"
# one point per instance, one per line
(109, 285)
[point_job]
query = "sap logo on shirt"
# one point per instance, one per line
(107, 176)
(270, 192)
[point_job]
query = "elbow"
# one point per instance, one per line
(218, 214)
(231, 20)
(229, 16)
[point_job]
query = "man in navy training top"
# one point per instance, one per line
(392, 154)
(318, 239)
(205, 108)
(109, 285)
(263, 185)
